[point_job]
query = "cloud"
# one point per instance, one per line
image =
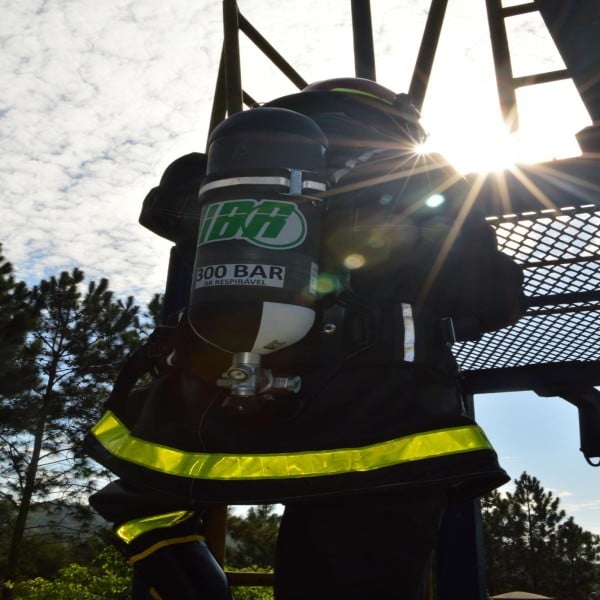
(96, 99)
(564, 494)
(591, 505)
(93, 107)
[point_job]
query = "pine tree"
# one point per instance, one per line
(76, 347)
(577, 571)
(530, 546)
(539, 512)
(502, 534)
(16, 320)
(252, 539)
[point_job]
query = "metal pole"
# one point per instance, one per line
(429, 42)
(233, 76)
(229, 75)
(219, 108)
(502, 64)
(362, 31)
(215, 527)
(263, 45)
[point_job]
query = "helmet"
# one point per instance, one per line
(358, 112)
(367, 89)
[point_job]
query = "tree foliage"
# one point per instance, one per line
(16, 320)
(76, 340)
(531, 545)
(107, 578)
(252, 539)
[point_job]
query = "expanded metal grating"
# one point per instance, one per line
(559, 250)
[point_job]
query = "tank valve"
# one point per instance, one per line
(247, 379)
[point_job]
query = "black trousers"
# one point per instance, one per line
(353, 547)
(359, 547)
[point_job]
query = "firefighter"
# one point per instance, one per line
(342, 399)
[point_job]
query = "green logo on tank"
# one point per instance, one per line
(266, 223)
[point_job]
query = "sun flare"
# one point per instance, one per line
(482, 143)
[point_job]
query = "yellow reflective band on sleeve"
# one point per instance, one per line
(132, 529)
(116, 439)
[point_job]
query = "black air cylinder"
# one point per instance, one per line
(254, 280)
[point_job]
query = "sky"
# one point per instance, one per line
(97, 98)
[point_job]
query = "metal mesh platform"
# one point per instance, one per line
(559, 249)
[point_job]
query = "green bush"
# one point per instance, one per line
(109, 578)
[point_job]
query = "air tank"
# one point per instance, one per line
(256, 266)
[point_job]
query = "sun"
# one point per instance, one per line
(479, 150)
(481, 142)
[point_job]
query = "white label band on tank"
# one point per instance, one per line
(282, 325)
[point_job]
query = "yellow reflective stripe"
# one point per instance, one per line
(132, 529)
(117, 440)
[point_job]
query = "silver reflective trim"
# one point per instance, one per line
(409, 332)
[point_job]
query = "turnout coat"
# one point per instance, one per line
(379, 407)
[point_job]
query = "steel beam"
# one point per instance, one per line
(423, 66)
(362, 32)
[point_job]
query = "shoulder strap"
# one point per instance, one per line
(150, 358)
